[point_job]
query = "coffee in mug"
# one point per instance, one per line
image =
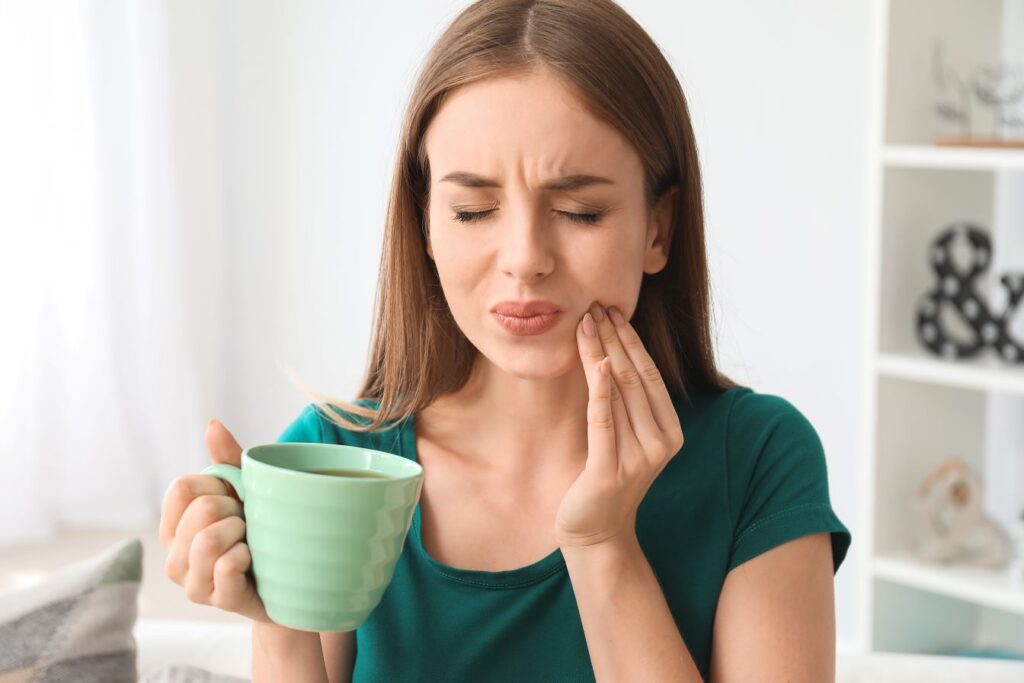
(349, 472)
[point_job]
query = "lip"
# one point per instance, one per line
(526, 326)
(525, 309)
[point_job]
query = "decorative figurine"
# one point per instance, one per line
(997, 87)
(959, 290)
(949, 501)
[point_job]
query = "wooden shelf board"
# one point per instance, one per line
(952, 158)
(981, 586)
(984, 374)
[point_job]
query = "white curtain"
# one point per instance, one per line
(110, 287)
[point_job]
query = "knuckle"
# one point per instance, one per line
(181, 487)
(630, 340)
(205, 543)
(227, 565)
(172, 568)
(628, 378)
(215, 484)
(207, 509)
(196, 593)
(675, 440)
(656, 450)
(650, 373)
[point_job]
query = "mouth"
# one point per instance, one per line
(523, 326)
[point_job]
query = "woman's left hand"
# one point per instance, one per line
(632, 432)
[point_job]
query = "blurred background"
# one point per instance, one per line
(192, 202)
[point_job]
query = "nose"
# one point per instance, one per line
(526, 252)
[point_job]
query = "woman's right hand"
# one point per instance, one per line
(203, 529)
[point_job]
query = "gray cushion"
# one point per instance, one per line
(75, 625)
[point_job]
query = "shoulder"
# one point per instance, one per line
(770, 443)
(757, 420)
(748, 425)
(305, 428)
(777, 474)
(314, 425)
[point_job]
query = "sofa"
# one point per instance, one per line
(225, 648)
(82, 623)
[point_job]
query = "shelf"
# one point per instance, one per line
(952, 158)
(923, 409)
(987, 587)
(985, 374)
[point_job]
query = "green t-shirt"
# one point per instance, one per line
(751, 475)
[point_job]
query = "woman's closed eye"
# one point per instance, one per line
(471, 216)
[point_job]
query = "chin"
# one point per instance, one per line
(535, 363)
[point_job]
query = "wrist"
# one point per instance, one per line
(280, 653)
(612, 555)
(271, 632)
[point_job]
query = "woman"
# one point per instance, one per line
(656, 523)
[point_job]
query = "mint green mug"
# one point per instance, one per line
(324, 546)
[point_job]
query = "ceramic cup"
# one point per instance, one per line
(323, 547)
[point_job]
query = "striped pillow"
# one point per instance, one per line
(76, 625)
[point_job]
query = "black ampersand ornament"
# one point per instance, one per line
(958, 290)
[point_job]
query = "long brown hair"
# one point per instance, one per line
(417, 350)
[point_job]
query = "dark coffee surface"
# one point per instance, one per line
(350, 473)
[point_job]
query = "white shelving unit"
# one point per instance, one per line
(921, 410)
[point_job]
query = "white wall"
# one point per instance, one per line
(308, 111)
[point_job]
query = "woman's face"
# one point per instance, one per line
(516, 239)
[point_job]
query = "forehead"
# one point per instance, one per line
(531, 123)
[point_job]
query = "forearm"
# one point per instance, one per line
(630, 632)
(284, 654)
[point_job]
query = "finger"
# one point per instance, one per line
(659, 424)
(181, 492)
(590, 349)
(602, 445)
(602, 450)
(626, 445)
(207, 546)
(232, 588)
(223, 448)
(204, 511)
(628, 380)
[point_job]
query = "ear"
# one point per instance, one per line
(659, 231)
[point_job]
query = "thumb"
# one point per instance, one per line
(222, 445)
(223, 448)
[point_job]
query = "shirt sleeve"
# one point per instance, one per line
(778, 479)
(306, 428)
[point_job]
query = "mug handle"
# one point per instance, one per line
(228, 473)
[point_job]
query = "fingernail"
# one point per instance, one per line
(212, 420)
(598, 313)
(588, 325)
(616, 317)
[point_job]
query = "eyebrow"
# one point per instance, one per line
(563, 184)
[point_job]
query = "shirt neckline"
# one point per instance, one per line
(519, 577)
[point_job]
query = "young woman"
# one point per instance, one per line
(599, 501)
